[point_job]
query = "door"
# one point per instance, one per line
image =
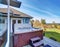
(13, 22)
(12, 37)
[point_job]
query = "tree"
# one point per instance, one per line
(36, 24)
(43, 22)
(32, 22)
(54, 24)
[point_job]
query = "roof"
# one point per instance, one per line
(15, 12)
(14, 3)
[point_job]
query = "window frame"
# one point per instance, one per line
(19, 21)
(26, 20)
(2, 21)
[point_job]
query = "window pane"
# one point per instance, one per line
(26, 20)
(2, 20)
(19, 21)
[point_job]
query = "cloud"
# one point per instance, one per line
(38, 15)
(41, 10)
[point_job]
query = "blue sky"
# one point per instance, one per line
(41, 9)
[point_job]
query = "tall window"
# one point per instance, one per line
(26, 20)
(2, 20)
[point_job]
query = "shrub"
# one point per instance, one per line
(53, 38)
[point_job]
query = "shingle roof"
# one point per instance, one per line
(14, 11)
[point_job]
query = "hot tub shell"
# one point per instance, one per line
(22, 39)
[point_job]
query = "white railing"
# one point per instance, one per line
(3, 28)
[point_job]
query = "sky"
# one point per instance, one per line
(41, 9)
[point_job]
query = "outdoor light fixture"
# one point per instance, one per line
(14, 3)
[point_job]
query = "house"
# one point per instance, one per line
(20, 26)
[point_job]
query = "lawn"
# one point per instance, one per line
(53, 32)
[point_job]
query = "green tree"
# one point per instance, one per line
(43, 21)
(54, 24)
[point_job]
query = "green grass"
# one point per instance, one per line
(55, 33)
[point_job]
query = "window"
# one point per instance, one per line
(26, 20)
(19, 21)
(2, 20)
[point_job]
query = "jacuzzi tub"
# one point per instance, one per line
(22, 36)
(25, 30)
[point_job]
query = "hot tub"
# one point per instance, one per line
(26, 30)
(22, 36)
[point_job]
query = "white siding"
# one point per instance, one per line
(3, 26)
(21, 24)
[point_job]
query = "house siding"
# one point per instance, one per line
(22, 22)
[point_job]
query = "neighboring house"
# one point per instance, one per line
(21, 28)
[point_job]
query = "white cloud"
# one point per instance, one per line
(39, 16)
(41, 10)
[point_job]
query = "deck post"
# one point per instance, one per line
(8, 31)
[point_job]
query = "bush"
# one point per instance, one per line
(53, 38)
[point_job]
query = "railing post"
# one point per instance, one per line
(8, 31)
